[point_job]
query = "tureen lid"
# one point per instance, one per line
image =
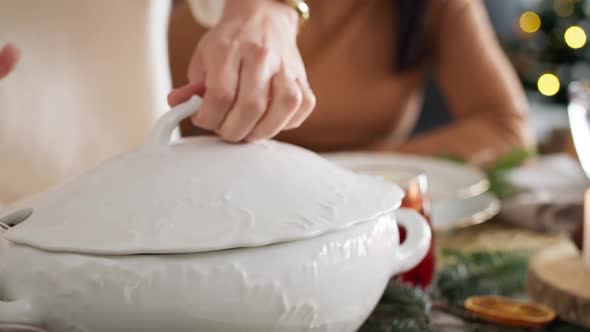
(200, 194)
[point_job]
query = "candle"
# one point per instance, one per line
(586, 243)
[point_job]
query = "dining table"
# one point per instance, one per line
(492, 236)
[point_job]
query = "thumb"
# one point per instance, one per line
(9, 56)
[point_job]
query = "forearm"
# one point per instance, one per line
(206, 12)
(239, 7)
(481, 138)
(480, 87)
(209, 12)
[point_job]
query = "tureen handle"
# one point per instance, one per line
(160, 136)
(417, 242)
(18, 312)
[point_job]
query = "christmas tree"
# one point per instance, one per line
(552, 48)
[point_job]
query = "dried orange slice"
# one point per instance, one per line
(509, 312)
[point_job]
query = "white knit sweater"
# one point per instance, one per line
(92, 79)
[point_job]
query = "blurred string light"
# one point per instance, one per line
(548, 84)
(553, 45)
(529, 22)
(575, 37)
(563, 8)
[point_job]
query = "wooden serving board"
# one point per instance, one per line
(558, 279)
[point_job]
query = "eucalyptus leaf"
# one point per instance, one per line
(513, 159)
(499, 186)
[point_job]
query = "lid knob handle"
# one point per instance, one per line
(160, 136)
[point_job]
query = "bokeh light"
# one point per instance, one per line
(529, 22)
(548, 84)
(575, 37)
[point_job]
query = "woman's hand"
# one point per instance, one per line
(9, 56)
(250, 73)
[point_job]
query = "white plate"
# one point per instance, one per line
(446, 180)
(447, 215)
(457, 191)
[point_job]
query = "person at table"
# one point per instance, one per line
(365, 64)
(73, 102)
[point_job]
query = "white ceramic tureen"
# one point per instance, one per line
(201, 235)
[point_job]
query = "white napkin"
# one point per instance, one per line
(549, 194)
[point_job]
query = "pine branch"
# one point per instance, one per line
(405, 309)
(401, 308)
(481, 273)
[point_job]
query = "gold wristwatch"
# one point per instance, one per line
(301, 8)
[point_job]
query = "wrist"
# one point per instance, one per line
(246, 8)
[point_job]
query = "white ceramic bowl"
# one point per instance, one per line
(327, 283)
(106, 253)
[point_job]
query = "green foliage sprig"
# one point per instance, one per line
(499, 186)
(480, 273)
(405, 309)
